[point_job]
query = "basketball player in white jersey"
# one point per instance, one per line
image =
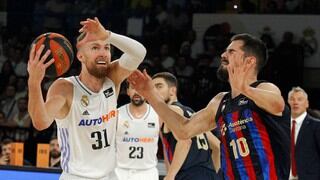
(137, 139)
(84, 106)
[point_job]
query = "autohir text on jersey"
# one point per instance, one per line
(97, 121)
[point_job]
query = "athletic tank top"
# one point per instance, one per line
(137, 139)
(87, 134)
(254, 143)
(199, 154)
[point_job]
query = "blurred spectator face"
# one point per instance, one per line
(164, 50)
(21, 84)
(54, 149)
(2, 117)
(22, 104)
(10, 91)
(6, 151)
(7, 68)
(298, 102)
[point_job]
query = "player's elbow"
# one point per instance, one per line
(39, 126)
(279, 106)
(142, 53)
(184, 134)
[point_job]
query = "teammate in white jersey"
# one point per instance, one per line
(84, 106)
(137, 139)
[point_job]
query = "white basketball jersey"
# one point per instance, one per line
(137, 139)
(87, 135)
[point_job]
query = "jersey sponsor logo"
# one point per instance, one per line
(235, 126)
(151, 125)
(141, 139)
(86, 112)
(84, 100)
(240, 122)
(108, 92)
(242, 101)
(96, 121)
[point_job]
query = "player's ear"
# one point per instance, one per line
(173, 91)
(80, 56)
(250, 60)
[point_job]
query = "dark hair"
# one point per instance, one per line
(6, 141)
(170, 79)
(253, 46)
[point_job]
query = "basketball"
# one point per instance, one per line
(61, 52)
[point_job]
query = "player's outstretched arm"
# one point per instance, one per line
(200, 122)
(41, 113)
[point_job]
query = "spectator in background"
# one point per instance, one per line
(305, 138)
(22, 118)
(8, 102)
(5, 152)
(21, 87)
(20, 65)
(55, 153)
(288, 59)
(54, 17)
(3, 120)
(6, 71)
(167, 60)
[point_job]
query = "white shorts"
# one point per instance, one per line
(135, 174)
(66, 176)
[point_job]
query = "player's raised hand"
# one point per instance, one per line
(94, 30)
(141, 82)
(36, 64)
(238, 71)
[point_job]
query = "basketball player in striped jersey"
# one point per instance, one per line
(137, 139)
(85, 106)
(190, 158)
(252, 118)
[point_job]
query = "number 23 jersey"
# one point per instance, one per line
(137, 139)
(87, 134)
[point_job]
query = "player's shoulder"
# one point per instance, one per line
(122, 108)
(218, 98)
(267, 86)
(62, 85)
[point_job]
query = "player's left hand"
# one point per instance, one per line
(94, 30)
(238, 71)
(141, 82)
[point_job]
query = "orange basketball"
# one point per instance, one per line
(61, 52)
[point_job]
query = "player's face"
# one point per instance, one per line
(54, 148)
(232, 53)
(96, 57)
(136, 99)
(298, 103)
(162, 88)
